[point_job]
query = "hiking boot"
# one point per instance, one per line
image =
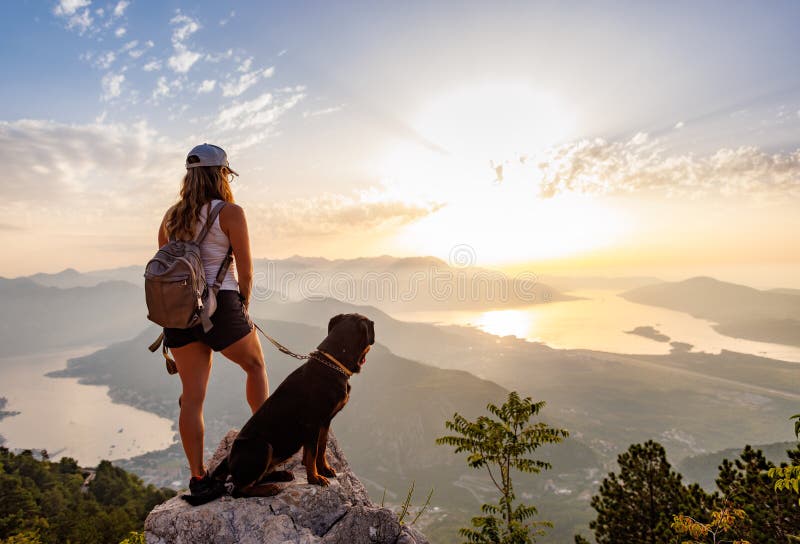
(204, 490)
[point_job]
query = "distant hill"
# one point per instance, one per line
(37, 317)
(401, 283)
(703, 469)
(386, 282)
(740, 311)
(786, 291)
(69, 277)
(571, 283)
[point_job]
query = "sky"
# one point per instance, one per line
(577, 138)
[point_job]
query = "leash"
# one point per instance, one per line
(279, 346)
(331, 361)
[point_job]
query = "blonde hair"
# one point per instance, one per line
(201, 184)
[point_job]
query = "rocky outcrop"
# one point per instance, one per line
(340, 513)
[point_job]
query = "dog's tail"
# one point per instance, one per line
(215, 490)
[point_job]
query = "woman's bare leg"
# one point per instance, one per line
(246, 352)
(194, 367)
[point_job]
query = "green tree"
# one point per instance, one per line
(25, 537)
(134, 538)
(501, 444)
(746, 483)
(787, 478)
(43, 501)
(637, 504)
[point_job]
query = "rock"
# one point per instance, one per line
(340, 513)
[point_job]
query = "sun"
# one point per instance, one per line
(471, 157)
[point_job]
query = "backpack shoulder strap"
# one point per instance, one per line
(211, 216)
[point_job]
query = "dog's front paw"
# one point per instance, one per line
(327, 471)
(318, 480)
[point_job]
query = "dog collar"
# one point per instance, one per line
(333, 363)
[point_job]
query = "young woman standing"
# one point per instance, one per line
(208, 177)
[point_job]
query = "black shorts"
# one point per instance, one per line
(231, 323)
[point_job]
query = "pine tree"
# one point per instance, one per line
(746, 483)
(501, 444)
(638, 504)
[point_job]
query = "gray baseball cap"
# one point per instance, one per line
(209, 155)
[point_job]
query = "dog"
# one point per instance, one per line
(297, 415)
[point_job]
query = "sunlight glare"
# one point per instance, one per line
(494, 120)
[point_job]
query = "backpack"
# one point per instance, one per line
(175, 285)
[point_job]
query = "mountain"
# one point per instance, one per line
(37, 317)
(386, 282)
(69, 277)
(399, 283)
(740, 311)
(572, 283)
(703, 469)
(786, 291)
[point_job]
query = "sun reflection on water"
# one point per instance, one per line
(519, 323)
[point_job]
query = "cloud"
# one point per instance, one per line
(184, 26)
(74, 168)
(75, 17)
(219, 57)
(333, 213)
(325, 111)
(119, 9)
(206, 86)
(153, 65)
(263, 110)
(112, 85)
(638, 164)
(117, 179)
(245, 66)
(166, 89)
(105, 60)
(182, 58)
(69, 7)
(120, 32)
(227, 19)
(238, 86)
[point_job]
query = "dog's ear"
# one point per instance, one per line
(369, 327)
(334, 320)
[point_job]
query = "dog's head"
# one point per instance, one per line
(349, 339)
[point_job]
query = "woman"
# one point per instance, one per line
(207, 179)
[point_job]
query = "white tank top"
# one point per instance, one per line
(213, 249)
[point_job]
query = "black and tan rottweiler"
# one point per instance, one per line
(298, 415)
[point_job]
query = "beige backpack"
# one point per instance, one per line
(176, 291)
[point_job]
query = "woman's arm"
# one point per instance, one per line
(234, 224)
